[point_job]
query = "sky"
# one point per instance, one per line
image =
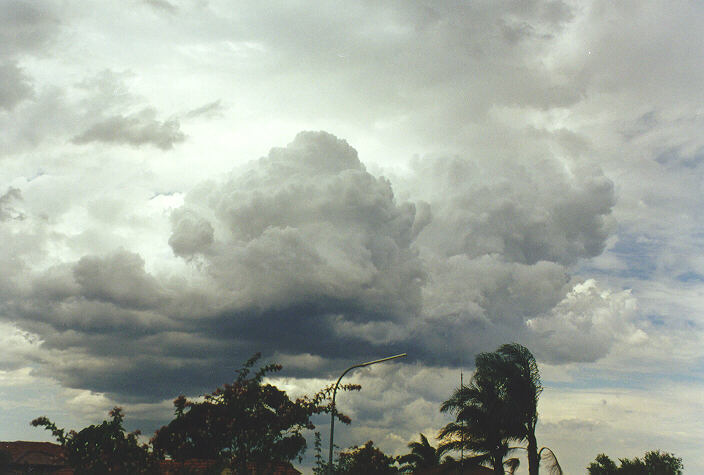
(186, 183)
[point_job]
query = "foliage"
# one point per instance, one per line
(366, 459)
(422, 455)
(516, 369)
(498, 405)
(246, 421)
(653, 463)
(103, 448)
(602, 465)
(478, 427)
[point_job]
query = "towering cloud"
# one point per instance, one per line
(307, 254)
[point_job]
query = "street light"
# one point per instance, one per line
(334, 392)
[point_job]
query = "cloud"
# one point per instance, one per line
(6, 210)
(585, 324)
(14, 85)
(161, 5)
(119, 279)
(212, 109)
(25, 26)
(306, 224)
(135, 129)
(307, 254)
(526, 213)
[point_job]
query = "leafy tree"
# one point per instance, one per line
(246, 421)
(366, 459)
(103, 448)
(653, 463)
(423, 455)
(663, 463)
(602, 465)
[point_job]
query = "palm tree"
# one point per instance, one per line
(512, 464)
(545, 454)
(423, 455)
(500, 404)
(516, 367)
(481, 417)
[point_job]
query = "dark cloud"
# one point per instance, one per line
(141, 128)
(304, 252)
(119, 279)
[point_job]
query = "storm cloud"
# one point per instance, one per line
(304, 252)
(500, 171)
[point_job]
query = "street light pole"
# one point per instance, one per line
(334, 392)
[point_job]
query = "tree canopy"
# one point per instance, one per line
(500, 404)
(102, 448)
(653, 463)
(246, 421)
(422, 456)
(365, 459)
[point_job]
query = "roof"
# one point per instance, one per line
(170, 467)
(445, 470)
(35, 453)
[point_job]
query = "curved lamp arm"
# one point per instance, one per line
(334, 393)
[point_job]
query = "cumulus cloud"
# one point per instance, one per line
(135, 129)
(585, 324)
(307, 254)
(306, 224)
(525, 213)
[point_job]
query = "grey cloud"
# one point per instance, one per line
(212, 109)
(7, 211)
(136, 129)
(14, 85)
(25, 26)
(305, 252)
(307, 222)
(119, 279)
(161, 5)
(523, 213)
(191, 233)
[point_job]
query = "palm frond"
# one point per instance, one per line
(552, 465)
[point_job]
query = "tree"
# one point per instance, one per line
(653, 463)
(516, 368)
(103, 448)
(482, 418)
(500, 404)
(602, 465)
(663, 463)
(423, 455)
(246, 421)
(367, 459)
